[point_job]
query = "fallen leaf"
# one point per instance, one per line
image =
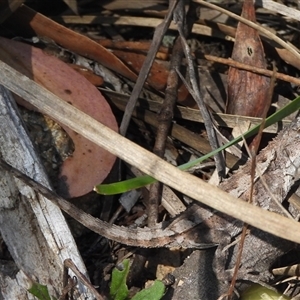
(134, 46)
(158, 75)
(89, 164)
(89, 75)
(247, 92)
(27, 21)
(223, 30)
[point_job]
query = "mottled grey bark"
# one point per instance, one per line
(33, 229)
(276, 175)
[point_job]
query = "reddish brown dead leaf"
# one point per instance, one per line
(134, 46)
(27, 21)
(158, 75)
(223, 30)
(89, 164)
(89, 75)
(247, 92)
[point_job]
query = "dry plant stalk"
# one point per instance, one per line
(195, 188)
(259, 28)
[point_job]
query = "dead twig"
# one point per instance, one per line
(68, 263)
(259, 28)
(207, 118)
(165, 115)
(157, 38)
(239, 65)
(147, 162)
(253, 154)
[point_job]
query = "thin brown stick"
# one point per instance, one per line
(259, 28)
(165, 115)
(195, 92)
(147, 162)
(253, 154)
(238, 260)
(69, 264)
(157, 38)
(235, 64)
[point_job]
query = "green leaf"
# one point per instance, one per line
(154, 292)
(258, 292)
(124, 186)
(40, 291)
(118, 287)
(134, 183)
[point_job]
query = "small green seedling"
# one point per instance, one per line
(119, 289)
(40, 291)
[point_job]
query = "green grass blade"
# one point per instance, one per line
(124, 186)
(138, 182)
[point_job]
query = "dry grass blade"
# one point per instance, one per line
(259, 28)
(186, 113)
(280, 9)
(195, 92)
(135, 155)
